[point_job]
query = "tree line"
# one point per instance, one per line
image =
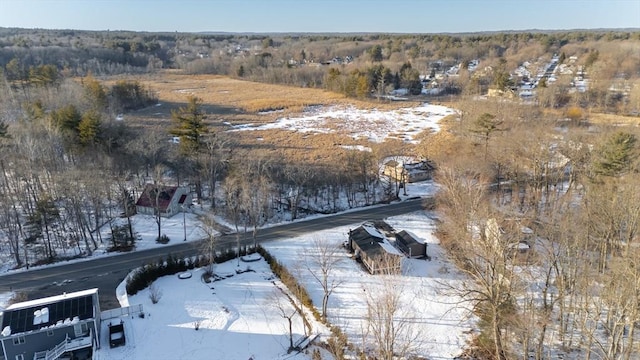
(542, 220)
(70, 167)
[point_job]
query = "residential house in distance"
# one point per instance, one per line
(408, 169)
(410, 246)
(168, 200)
(377, 255)
(518, 243)
(66, 326)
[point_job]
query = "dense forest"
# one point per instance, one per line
(562, 163)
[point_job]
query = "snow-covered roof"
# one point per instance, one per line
(386, 246)
(60, 310)
(373, 231)
(399, 160)
(51, 299)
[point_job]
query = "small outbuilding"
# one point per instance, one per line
(410, 246)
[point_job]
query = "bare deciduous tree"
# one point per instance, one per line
(209, 245)
(389, 321)
(321, 261)
(282, 303)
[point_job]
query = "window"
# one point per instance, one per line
(18, 340)
(81, 329)
(19, 357)
(49, 332)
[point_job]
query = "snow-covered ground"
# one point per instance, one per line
(146, 228)
(373, 125)
(237, 319)
(436, 319)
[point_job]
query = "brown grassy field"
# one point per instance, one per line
(233, 101)
(238, 101)
(611, 119)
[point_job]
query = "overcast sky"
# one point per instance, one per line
(395, 16)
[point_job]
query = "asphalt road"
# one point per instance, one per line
(106, 273)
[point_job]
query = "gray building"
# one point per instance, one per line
(66, 326)
(410, 246)
(369, 247)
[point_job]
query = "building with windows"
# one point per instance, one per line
(66, 326)
(168, 200)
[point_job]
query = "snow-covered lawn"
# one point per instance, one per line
(237, 319)
(439, 323)
(373, 124)
(145, 227)
(174, 227)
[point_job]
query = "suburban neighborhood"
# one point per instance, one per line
(307, 180)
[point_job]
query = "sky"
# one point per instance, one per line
(260, 16)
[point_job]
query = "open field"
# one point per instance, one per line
(231, 103)
(240, 101)
(612, 119)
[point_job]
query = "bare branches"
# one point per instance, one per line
(321, 261)
(389, 322)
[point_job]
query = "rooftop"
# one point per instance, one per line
(48, 312)
(149, 196)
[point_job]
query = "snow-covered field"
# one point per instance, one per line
(436, 320)
(237, 319)
(373, 125)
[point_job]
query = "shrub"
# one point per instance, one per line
(574, 113)
(149, 273)
(131, 95)
(163, 239)
(289, 281)
(18, 297)
(155, 294)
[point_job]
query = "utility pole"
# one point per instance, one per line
(184, 223)
(238, 243)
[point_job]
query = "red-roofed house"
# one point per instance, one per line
(168, 200)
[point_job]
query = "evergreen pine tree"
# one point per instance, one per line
(189, 126)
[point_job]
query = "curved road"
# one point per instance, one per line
(106, 273)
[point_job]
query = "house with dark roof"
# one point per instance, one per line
(376, 254)
(64, 326)
(168, 200)
(409, 245)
